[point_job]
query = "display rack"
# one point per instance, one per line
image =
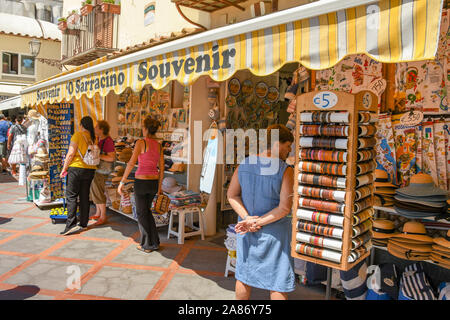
(331, 217)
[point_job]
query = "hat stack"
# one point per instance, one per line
(118, 172)
(441, 250)
(382, 230)
(125, 154)
(384, 190)
(38, 172)
(412, 243)
(421, 198)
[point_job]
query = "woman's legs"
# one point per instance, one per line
(72, 191)
(85, 185)
(274, 295)
(146, 222)
(242, 291)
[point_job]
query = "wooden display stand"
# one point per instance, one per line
(351, 103)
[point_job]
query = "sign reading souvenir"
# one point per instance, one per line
(412, 118)
(60, 129)
(325, 100)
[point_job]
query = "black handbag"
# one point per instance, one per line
(105, 167)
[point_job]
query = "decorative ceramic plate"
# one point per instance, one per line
(273, 94)
(261, 89)
(247, 87)
(234, 86)
(266, 105)
(231, 102)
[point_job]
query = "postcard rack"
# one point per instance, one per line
(334, 175)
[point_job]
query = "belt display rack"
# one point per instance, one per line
(333, 188)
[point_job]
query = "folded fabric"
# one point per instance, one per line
(184, 198)
(414, 285)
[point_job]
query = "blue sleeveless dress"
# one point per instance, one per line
(264, 257)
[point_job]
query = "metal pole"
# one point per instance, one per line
(328, 289)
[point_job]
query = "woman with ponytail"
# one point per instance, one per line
(79, 177)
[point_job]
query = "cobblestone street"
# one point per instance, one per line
(35, 260)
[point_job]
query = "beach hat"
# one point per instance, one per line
(170, 185)
(424, 201)
(441, 250)
(443, 241)
(385, 191)
(414, 230)
(41, 152)
(406, 254)
(422, 185)
(412, 246)
(125, 155)
(440, 259)
(383, 229)
(178, 167)
(33, 114)
(38, 174)
(118, 171)
(410, 214)
(382, 179)
(36, 167)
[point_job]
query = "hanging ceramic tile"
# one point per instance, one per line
(441, 156)
(419, 156)
(405, 149)
(428, 153)
(447, 146)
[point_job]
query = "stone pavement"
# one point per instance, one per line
(37, 263)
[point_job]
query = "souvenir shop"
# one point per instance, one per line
(371, 152)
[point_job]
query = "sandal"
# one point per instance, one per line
(100, 222)
(94, 218)
(143, 250)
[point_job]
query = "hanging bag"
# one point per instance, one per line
(105, 167)
(160, 202)
(92, 155)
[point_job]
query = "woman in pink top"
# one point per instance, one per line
(147, 184)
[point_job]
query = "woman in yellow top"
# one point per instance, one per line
(79, 177)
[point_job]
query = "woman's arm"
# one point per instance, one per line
(234, 196)
(109, 157)
(285, 205)
(69, 157)
(130, 165)
(161, 168)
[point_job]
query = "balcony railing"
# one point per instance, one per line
(94, 36)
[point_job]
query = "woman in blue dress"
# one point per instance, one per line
(260, 192)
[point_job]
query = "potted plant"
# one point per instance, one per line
(62, 24)
(110, 6)
(86, 8)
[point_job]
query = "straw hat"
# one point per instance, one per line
(441, 260)
(427, 202)
(41, 152)
(125, 155)
(441, 250)
(384, 190)
(402, 253)
(116, 179)
(36, 167)
(383, 229)
(382, 179)
(118, 171)
(33, 114)
(413, 230)
(412, 246)
(444, 242)
(422, 185)
(178, 167)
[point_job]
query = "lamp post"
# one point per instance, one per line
(35, 48)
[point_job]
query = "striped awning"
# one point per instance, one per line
(388, 31)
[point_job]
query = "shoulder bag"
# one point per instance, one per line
(92, 155)
(105, 167)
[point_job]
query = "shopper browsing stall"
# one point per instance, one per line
(79, 176)
(4, 126)
(148, 179)
(260, 193)
(107, 157)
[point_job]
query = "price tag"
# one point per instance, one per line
(325, 100)
(412, 118)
